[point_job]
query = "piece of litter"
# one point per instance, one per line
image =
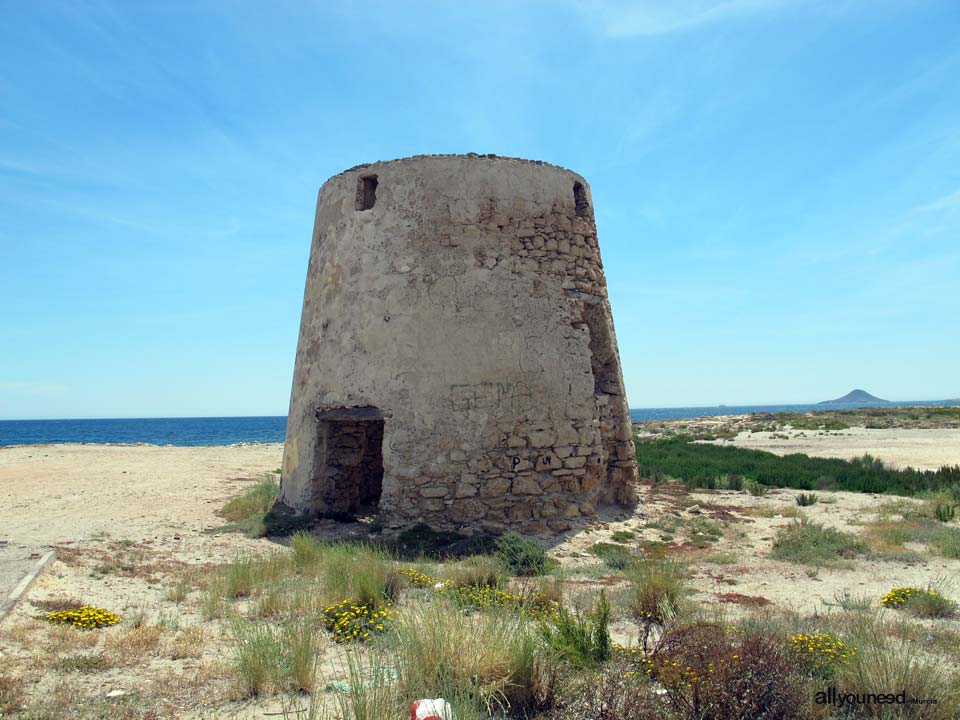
(116, 693)
(436, 709)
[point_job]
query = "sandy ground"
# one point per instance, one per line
(112, 508)
(902, 447)
(60, 493)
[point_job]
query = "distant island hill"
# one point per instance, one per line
(855, 396)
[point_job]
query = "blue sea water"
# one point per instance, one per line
(271, 429)
(153, 431)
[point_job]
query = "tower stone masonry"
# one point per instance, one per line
(457, 363)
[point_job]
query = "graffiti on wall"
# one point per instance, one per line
(515, 397)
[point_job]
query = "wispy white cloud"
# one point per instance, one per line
(945, 203)
(621, 18)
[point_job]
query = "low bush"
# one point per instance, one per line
(521, 555)
(928, 602)
(616, 692)
(84, 617)
(820, 653)
(806, 499)
(356, 621)
(710, 671)
(702, 464)
(810, 543)
(754, 488)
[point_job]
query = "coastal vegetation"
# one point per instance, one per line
(716, 466)
(702, 605)
(821, 421)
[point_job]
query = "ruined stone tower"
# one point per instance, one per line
(457, 363)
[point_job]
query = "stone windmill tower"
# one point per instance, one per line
(457, 363)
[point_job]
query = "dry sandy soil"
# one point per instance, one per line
(901, 447)
(128, 522)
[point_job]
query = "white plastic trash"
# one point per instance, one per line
(438, 709)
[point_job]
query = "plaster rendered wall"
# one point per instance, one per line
(468, 309)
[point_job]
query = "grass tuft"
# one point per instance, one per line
(810, 543)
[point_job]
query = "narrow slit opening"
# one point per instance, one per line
(580, 200)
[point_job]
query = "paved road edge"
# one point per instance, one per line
(21, 588)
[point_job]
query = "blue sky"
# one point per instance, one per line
(777, 184)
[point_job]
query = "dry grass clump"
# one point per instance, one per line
(615, 693)
(492, 657)
(58, 603)
(63, 638)
(771, 512)
(189, 642)
(358, 572)
(268, 658)
(657, 591)
(11, 694)
(886, 665)
(131, 646)
(473, 571)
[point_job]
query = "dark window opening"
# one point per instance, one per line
(580, 200)
(349, 468)
(366, 192)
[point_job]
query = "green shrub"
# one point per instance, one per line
(521, 555)
(734, 482)
(581, 639)
(810, 543)
(623, 536)
(945, 513)
(699, 464)
(806, 499)
(615, 557)
(754, 488)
